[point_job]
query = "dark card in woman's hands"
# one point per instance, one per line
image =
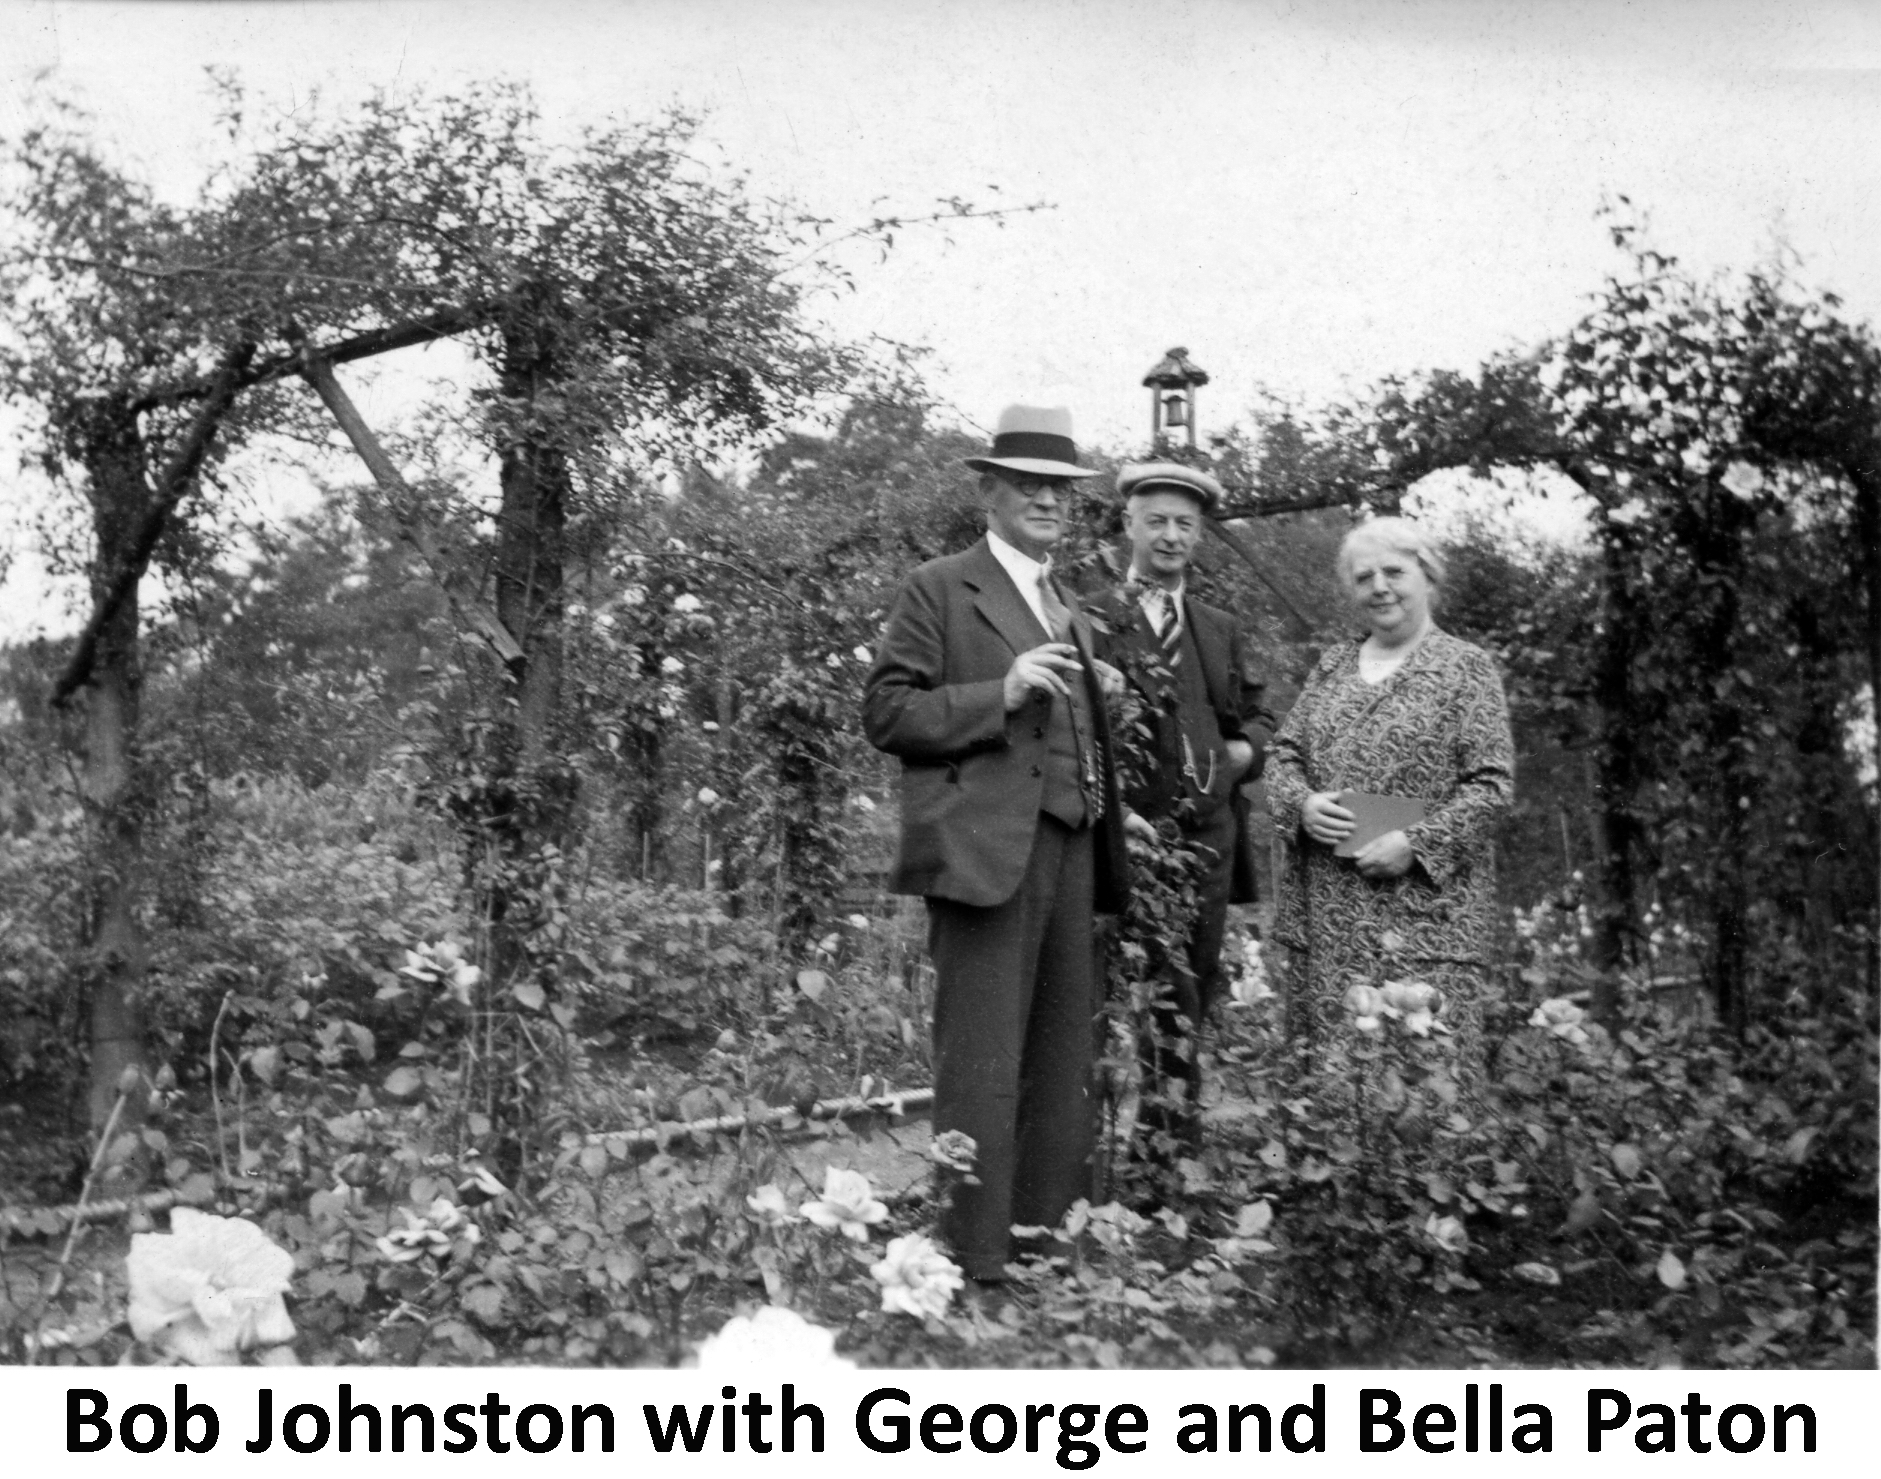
(1376, 815)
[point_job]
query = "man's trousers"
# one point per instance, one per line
(1018, 987)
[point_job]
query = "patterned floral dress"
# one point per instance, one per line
(1437, 729)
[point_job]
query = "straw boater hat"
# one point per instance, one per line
(1171, 477)
(1034, 439)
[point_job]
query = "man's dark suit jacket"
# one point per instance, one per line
(1235, 694)
(973, 774)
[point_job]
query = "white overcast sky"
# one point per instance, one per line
(1307, 195)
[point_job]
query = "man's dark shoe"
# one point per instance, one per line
(1040, 1249)
(983, 1296)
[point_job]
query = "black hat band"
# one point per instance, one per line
(1039, 445)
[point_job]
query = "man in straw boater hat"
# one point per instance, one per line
(1207, 733)
(984, 685)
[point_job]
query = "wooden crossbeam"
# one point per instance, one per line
(172, 483)
(476, 614)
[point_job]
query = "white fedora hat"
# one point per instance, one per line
(1034, 439)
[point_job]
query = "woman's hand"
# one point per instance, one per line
(1324, 820)
(1389, 856)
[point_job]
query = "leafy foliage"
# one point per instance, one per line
(504, 997)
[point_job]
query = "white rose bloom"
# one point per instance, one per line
(772, 1339)
(848, 1204)
(1561, 1017)
(209, 1288)
(769, 1206)
(916, 1277)
(1741, 480)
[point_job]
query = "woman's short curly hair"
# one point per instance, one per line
(1399, 535)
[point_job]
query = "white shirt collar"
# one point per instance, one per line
(1016, 560)
(1025, 572)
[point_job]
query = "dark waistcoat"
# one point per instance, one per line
(1190, 751)
(1068, 759)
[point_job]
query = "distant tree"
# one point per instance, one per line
(728, 654)
(305, 660)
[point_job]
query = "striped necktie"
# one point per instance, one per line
(1165, 616)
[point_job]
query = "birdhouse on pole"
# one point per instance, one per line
(1172, 385)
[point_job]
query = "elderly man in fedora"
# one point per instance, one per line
(1207, 734)
(985, 686)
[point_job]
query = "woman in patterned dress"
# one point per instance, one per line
(1408, 710)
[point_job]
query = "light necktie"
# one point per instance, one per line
(1057, 615)
(1058, 618)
